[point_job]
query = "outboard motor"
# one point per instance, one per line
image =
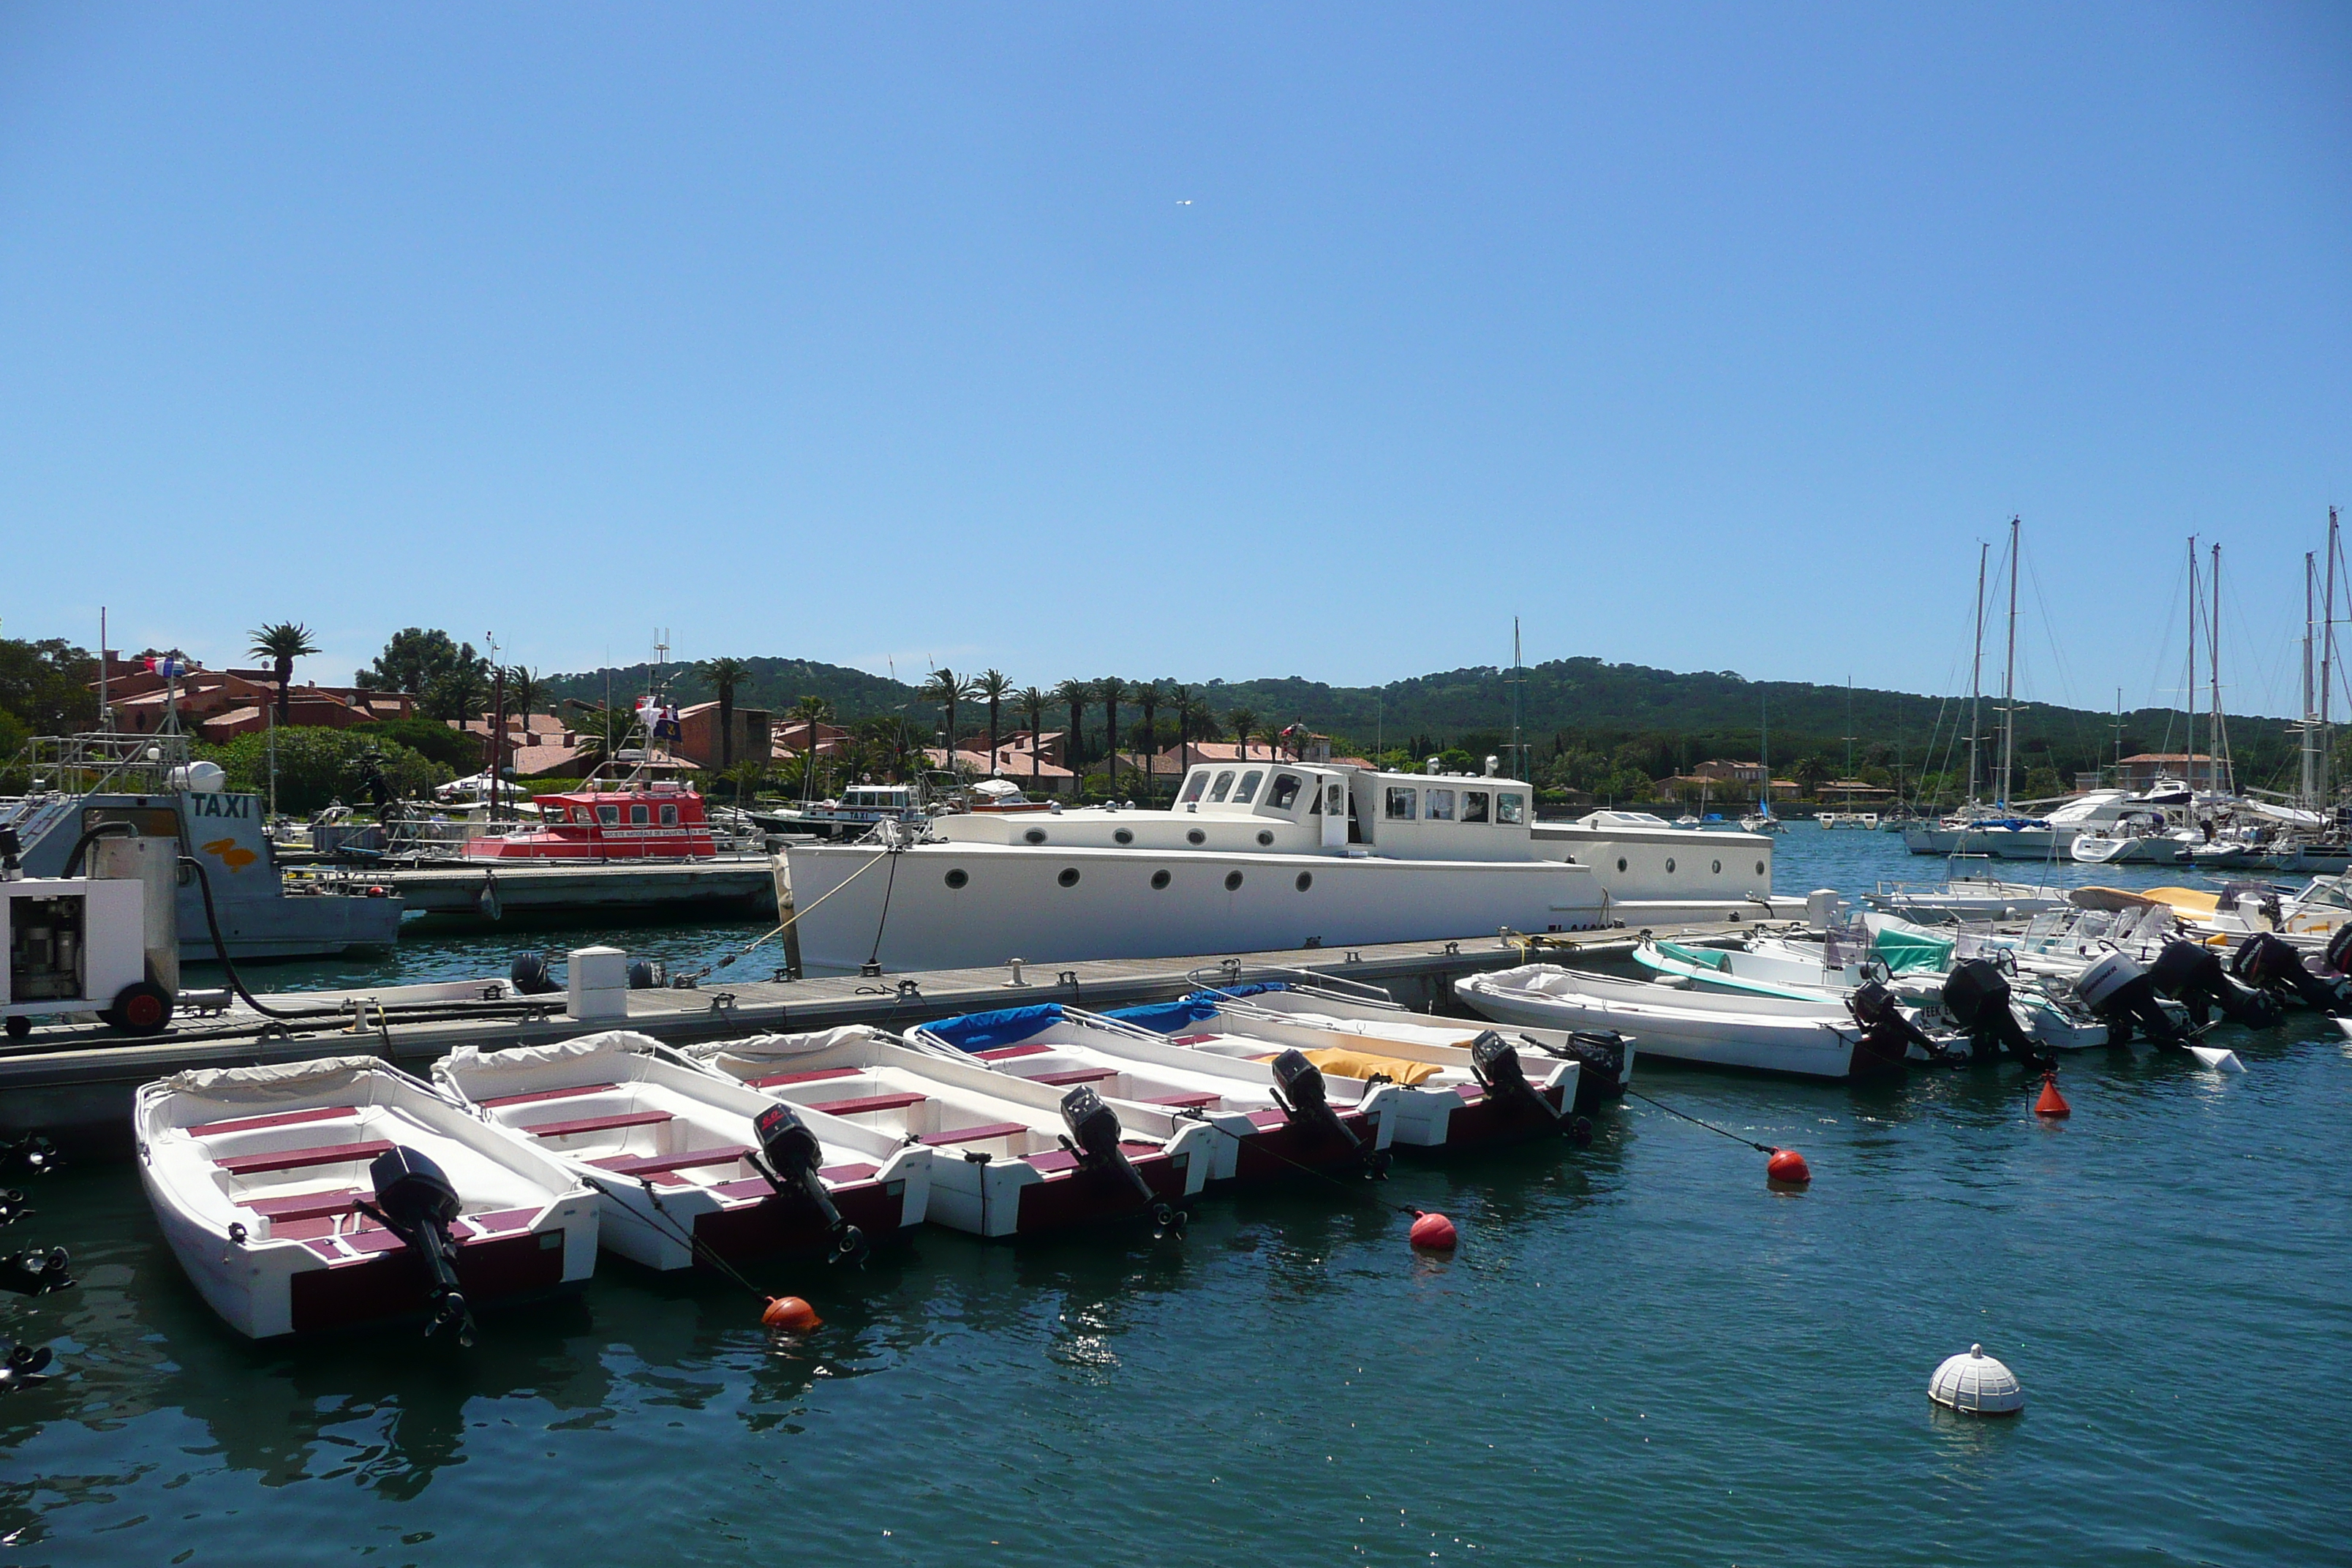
(34, 1272)
(2192, 974)
(1093, 1137)
(1887, 1033)
(1300, 1089)
(2267, 964)
(2338, 956)
(23, 1366)
(416, 1202)
(528, 974)
(1976, 994)
(790, 1158)
(2122, 994)
(1497, 1068)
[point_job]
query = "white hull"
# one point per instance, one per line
(2001, 843)
(2094, 849)
(1768, 1037)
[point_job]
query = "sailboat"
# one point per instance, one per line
(1761, 819)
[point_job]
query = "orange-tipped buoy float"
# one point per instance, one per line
(2051, 1102)
(790, 1313)
(1434, 1233)
(1787, 1168)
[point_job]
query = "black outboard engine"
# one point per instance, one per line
(528, 974)
(1496, 1065)
(1599, 1056)
(2123, 996)
(1975, 995)
(36, 1271)
(2192, 974)
(32, 1270)
(2337, 959)
(1887, 1033)
(1300, 1089)
(416, 1202)
(1093, 1137)
(2267, 964)
(790, 1157)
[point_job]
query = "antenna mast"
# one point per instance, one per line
(2009, 676)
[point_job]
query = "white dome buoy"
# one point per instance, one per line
(1976, 1385)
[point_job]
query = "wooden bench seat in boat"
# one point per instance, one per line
(778, 1079)
(305, 1205)
(663, 1164)
(1199, 1099)
(869, 1102)
(975, 1134)
(538, 1095)
(598, 1123)
(1006, 1053)
(757, 1186)
(295, 1159)
(1076, 1075)
(282, 1119)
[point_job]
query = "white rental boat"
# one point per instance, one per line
(1257, 856)
(342, 1193)
(1017, 1158)
(1768, 1033)
(1963, 898)
(2129, 843)
(693, 1167)
(1272, 1117)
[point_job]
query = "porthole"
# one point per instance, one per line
(1759, 868)
(1621, 862)
(1718, 867)
(1158, 880)
(1196, 836)
(1670, 865)
(957, 877)
(1305, 880)
(1035, 836)
(1233, 881)
(1070, 877)
(1124, 835)
(1266, 835)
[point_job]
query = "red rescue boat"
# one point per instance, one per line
(659, 819)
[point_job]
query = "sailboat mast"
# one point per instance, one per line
(2189, 687)
(2218, 729)
(2305, 794)
(1975, 670)
(2328, 651)
(1765, 788)
(2009, 676)
(1518, 755)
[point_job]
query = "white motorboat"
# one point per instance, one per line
(342, 1193)
(1768, 1033)
(1018, 1157)
(1273, 1117)
(2128, 845)
(1865, 820)
(1963, 898)
(693, 1167)
(1258, 856)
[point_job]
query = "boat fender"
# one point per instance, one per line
(2123, 996)
(2267, 964)
(486, 901)
(1496, 1065)
(1300, 1089)
(1093, 1138)
(2193, 975)
(790, 1158)
(417, 1203)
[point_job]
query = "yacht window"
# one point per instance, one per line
(1439, 806)
(669, 817)
(1225, 783)
(1474, 806)
(1194, 786)
(610, 815)
(1246, 791)
(1401, 803)
(638, 817)
(1510, 807)
(1284, 791)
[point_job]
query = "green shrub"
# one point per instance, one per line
(318, 767)
(431, 738)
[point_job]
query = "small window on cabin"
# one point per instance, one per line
(1510, 806)
(1225, 783)
(1401, 799)
(610, 815)
(1246, 791)
(669, 817)
(1474, 806)
(637, 816)
(1439, 806)
(1284, 791)
(1194, 786)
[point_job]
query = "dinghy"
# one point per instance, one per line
(1272, 1118)
(1014, 1158)
(1767, 1034)
(342, 1193)
(692, 1167)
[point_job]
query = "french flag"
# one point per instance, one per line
(168, 667)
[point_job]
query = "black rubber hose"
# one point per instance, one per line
(220, 948)
(89, 836)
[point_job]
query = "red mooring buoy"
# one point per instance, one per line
(792, 1313)
(1434, 1233)
(1788, 1167)
(2051, 1102)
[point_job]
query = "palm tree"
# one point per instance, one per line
(281, 644)
(1148, 697)
(1078, 694)
(1112, 692)
(1180, 702)
(946, 688)
(725, 675)
(1244, 725)
(809, 712)
(1032, 703)
(525, 689)
(992, 684)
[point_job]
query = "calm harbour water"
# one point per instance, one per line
(1639, 1355)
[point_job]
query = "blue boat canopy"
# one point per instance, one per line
(986, 1031)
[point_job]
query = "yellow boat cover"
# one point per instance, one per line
(1363, 1065)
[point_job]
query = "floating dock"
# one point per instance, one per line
(491, 890)
(74, 1082)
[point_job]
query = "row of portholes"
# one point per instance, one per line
(1670, 865)
(1127, 836)
(959, 879)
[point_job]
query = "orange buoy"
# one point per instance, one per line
(1788, 1167)
(2051, 1102)
(1434, 1233)
(792, 1313)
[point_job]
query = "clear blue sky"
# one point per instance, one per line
(1701, 337)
